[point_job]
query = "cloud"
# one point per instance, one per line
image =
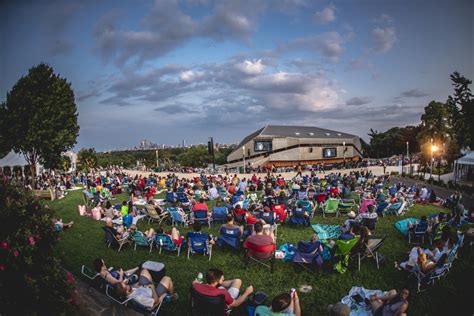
(359, 100)
(328, 14)
(177, 108)
(250, 67)
(384, 38)
(383, 19)
(330, 45)
(414, 93)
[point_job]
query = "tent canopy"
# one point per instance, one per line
(12, 159)
(467, 159)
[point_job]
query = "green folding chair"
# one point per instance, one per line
(139, 239)
(346, 205)
(343, 249)
(331, 207)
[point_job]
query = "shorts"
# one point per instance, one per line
(144, 281)
(161, 289)
(233, 292)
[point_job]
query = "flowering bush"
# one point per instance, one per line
(31, 278)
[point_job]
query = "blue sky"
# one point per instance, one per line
(173, 70)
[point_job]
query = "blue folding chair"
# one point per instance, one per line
(202, 216)
(171, 197)
(177, 217)
(198, 242)
(163, 241)
(219, 214)
(230, 237)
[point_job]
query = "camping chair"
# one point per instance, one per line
(424, 280)
(298, 218)
(199, 243)
(178, 216)
(382, 208)
(139, 239)
(370, 223)
(205, 305)
(346, 205)
(418, 232)
(270, 218)
(171, 197)
(397, 208)
(308, 255)
(219, 214)
(182, 198)
(153, 215)
(96, 280)
(202, 216)
(264, 255)
(113, 241)
(364, 205)
(371, 250)
(342, 252)
(127, 221)
(279, 210)
(163, 241)
(355, 196)
(131, 303)
(320, 199)
(230, 237)
(308, 208)
(88, 199)
(331, 207)
(239, 217)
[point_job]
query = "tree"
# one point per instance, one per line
(65, 163)
(32, 281)
(436, 123)
(461, 106)
(87, 158)
(42, 117)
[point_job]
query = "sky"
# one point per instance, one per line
(168, 71)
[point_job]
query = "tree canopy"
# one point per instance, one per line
(41, 117)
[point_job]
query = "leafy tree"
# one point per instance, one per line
(65, 163)
(461, 106)
(41, 117)
(32, 282)
(436, 123)
(87, 158)
(196, 156)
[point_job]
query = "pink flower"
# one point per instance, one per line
(78, 302)
(76, 292)
(71, 299)
(70, 278)
(15, 253)
(4, 245)
(31, 241)
(2, 267)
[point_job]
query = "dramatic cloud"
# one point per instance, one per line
(384, 38)
(330, 45)
(328, 14)
(359, 100)
(414, 93)
(250, 67)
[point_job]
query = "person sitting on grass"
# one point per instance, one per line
(391, 303)
(59, 225)
(115, 276)
(284, 304)
(216, 285)
(145, 292)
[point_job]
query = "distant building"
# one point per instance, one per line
(288, 145)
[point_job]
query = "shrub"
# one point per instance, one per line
(394, 173)
(31, 278)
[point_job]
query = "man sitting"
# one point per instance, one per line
(215, 285)
(285, 304)
(145, 292)
(259, 239)
(197, 230)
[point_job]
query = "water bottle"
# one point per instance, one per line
(200, 277)
(167, 298)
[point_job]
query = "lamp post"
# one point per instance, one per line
(243, 153)
(156, 158)
(433, 149)
(344, 153)
(408, 155)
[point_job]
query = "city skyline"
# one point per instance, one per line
(174, 70)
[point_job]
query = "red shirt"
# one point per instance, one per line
(200, 206)
(251, 220)
(209, 290)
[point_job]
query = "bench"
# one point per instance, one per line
(44, 194)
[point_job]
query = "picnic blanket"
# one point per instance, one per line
(360, 308)
(327, 231)
(402, 225)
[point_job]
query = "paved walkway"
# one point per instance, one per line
(442, 192)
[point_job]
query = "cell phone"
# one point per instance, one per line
(293, 291)
(357, 298)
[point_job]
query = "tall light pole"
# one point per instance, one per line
(433, 149)
(243, 152)
(157, 158)
(408, 154)
(344, 153)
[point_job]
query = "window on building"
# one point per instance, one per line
(329, 152)
(263, 145)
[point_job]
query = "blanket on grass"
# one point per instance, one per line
(327, 231)
(360, 308)
(402, 225)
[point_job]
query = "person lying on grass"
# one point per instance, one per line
(145, 292)
(284, 304)
(114, 276)
(391, 303)
(59, 225)
(216, 285)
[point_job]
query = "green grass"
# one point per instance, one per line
(85, 241)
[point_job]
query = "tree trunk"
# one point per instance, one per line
(33, 175)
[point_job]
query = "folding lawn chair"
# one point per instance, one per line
(206, 305)
(229, 237)
(308, 255)
(364, 205)
(153, 215)
(418, 233)
(343, 249)
(346, 205)
(113, 241)
(139, 239)
(320, 199)
(424, 280)
(331, 207)
(202, 216)
(88, 199)
(279, 210)
(178, 216)
(371, 250)
(264, 255)
(171, 197)
(163, 241)
(298, 218)
(199, 243)
(219, 214)
(131, 303)
(308, 208)
(270, 218)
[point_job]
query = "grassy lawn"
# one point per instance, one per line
(85, 242)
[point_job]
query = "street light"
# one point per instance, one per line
(408, 155)
(434, 148)
(156, 158)
(243, 152)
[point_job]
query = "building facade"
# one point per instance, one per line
(280, 146)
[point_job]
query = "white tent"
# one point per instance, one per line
(463, 165)
(12, 160)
